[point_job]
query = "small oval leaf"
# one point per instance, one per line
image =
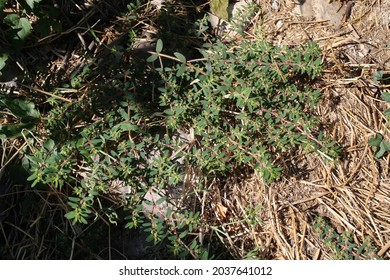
(386, 96)
(152, 58)
(70, 215)
(181, 70)
(183, 234)
(180, 57)
(161, 200)
(159, 46)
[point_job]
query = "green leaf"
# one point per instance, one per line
(375, 141)
(380, 152)
(74, 199)
(22, 109)
(152, 58)
(361, 248)
(125, 126)
(386, 96)
(193, 244)
(124, 114)
(14, 130)
(3, 59)
(70, 215)
(31, 3)
(73, 205)
(183, 234)
(11, 20)
(182, 69)
(159, 46)
(32, 176)
(49, 145)
(83, 220)
(161, 200)
(204, 256)
(377, 76)
(387, 113)
(21, 25)
(220, 8)
(180, 57)
(386, 145)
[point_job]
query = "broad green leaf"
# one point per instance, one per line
(22, 109)
(180, 57)
(93, 193)
(22, 25)
(20, 29)
(385, 96)
(375, 141)
(11, 20)
(380, 152)
(49, 145)
(159, 46)
(125, 126)
(220, 8)
(386, 145)
(387, 113)
(14, 130)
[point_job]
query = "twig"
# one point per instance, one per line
(47, 93)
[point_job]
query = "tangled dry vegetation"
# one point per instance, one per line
(254, 219)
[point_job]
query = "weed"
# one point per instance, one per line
(245, 105)
(342, 246)
(381, 145)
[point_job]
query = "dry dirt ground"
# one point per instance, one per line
(351, 194)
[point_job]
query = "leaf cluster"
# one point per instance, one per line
(342, 245)
(247, 105)
(24, 116)
(381, 145)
